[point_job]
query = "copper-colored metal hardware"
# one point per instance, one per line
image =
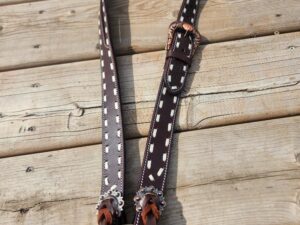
(189, 28)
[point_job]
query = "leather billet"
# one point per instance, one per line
(182, 42)
(110, 205)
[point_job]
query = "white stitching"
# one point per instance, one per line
(157, 118)
(168, 152)
(151, 177)
(160, 171)
(151, 148)
(182, 80)
(172, 113)
(164, 157)
(169, 126)
(106, 181)
(161, 103)
(175, 99)
(149, 164)
(154, 133)
(167, 142)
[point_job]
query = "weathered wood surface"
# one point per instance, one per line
(12, 2)
(59, 106)
(48, 32)
(244, 174)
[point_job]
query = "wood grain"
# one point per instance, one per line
(246, 174)
(59, 106)
(12, 2)
(49, 32)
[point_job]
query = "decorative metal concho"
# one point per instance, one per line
(149, 195)
(113, 200)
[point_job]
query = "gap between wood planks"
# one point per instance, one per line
(126, 54)
(254, 166)
(61, 20)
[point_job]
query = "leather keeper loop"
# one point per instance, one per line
(171, 89)
(179, 56)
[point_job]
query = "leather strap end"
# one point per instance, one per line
(104, 217)
(150, 214)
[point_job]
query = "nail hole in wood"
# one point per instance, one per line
(29, 169)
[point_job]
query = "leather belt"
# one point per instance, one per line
(111, 201)
(182, 42)
(183, 39)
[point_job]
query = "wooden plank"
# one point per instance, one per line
(11, 2)
(55, 31)
(246, 174)
(59, 106)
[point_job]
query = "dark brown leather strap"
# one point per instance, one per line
(182, 41)
(111, 198)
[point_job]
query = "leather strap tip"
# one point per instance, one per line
(104, 217)
(150, 215)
